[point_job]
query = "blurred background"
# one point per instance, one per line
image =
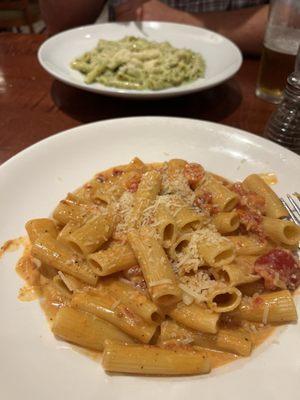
(21, 16)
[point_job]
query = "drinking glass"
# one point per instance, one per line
(280, 47)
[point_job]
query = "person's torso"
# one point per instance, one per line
(195, 6)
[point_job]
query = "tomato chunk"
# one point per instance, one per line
(251, 200)
(204, 202)
(279, 269)
(194, 173)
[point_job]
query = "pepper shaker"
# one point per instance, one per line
(283, 126)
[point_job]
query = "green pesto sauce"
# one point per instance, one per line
(135, 63)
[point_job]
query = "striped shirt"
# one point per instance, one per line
(195, 6)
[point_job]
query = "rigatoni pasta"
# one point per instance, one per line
(167, 268)
(157, 269)
(114, 259)
(153, 360)
(275, 307)
(166, 226)
(84, 329)
(282, 232)
(135, 300)
(37, 227)
(72, 208)
(93, 233)
(224, 199)
(238, 273)
(146, 193)
(228, 340)
(224, 299)
(105, 305)
(249, 245)
(226, 222)
(274, 207)
(63, 258)
(217, 253)
(196, 317)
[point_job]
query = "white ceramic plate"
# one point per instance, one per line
(33, 364)
(222, 57)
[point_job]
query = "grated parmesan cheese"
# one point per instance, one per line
(198, 285)
(177, 185)
(187, 299)
(209, 234)
(190, 260)
(123, 209)
(36, 262)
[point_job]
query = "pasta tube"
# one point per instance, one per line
(234, 341)
(90, 236)
(135, 300)
(284, 232)
(216, 357)
(176, 181)
(56, 293)
(109, 191)
(180, 246)
(96, 192)
(136, 164)
(70, 282)
(274, 207)
(195, 317)
(108, 307)
(173, 333)
(217, 254)
(175, 166)
(275, 307)
(237, 274)
(65, 234)
(226, 222)
(124, 181)
(153, 360)
(116, 258)
(59, 256)
(156, 268)
(222, 197)
(187, 219)
(165, 226)
(37, 227)
(146, 193)
(249, 245)
(224, 299)
(85, 329)
(71, 209)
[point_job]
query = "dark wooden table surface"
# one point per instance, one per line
(33, 105)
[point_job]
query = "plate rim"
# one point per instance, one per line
(76, 130)
(115, 92)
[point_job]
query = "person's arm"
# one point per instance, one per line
(245, 26)
(62, 15)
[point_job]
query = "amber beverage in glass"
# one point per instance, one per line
(281, 43)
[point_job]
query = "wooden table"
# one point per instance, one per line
(33, 105)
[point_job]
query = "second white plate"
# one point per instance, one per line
(222, 57)
(33, 364)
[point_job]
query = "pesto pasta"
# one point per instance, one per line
(138, 64)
